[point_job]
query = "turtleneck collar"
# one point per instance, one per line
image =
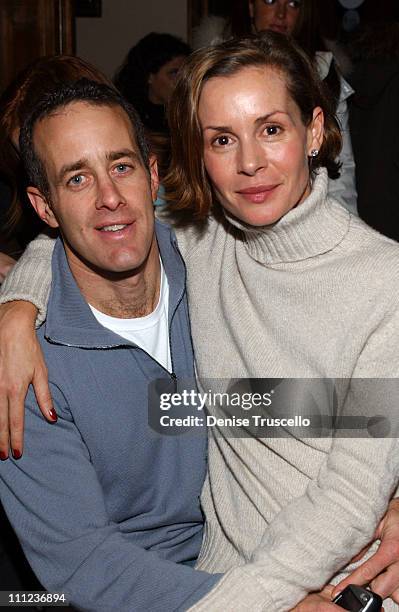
(314, 227)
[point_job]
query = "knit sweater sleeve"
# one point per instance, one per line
(317, 534)
(30, 279)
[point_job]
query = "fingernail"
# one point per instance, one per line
(16, 453)
(3, 456)
(53, 415)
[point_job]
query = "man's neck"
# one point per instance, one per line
(122, 296)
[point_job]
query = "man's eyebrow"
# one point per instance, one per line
(84, 162)
(259, 120)
(115, 155)
(73, 167)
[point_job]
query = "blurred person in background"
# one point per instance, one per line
(147, 79)
(374, 123)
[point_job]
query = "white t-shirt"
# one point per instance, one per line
(151, 333)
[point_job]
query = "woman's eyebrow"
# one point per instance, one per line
(262, 119)
(270, 115)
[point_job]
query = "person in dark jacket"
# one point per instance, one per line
(374, 123)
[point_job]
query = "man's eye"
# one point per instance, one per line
(122, 168)
(76, 180)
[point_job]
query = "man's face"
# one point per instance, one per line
(101, 192)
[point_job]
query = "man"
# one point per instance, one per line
(104, 507)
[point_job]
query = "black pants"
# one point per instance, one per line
(15, 572)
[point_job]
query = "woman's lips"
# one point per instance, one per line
(278, 28)
(258, 194)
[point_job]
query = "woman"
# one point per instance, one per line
(289, 274)
(148, 74)
(300, 19)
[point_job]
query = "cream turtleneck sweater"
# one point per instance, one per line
(313, 296)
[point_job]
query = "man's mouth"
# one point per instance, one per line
(113, 228)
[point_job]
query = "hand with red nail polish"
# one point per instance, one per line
(21, 363)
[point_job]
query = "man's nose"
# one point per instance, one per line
(252, 157)
(109, 195)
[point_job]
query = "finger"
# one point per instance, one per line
(387, 582)
(317, 606)
(16, 414)
(366, 572)
(394, 504)
(328, 590)
(395, 596)
(4, 430)
(42, 393)
(361, 554)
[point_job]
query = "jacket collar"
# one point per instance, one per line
(69, 318)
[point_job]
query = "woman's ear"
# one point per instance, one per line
(251, 9)
(316, 131)
(41, 206)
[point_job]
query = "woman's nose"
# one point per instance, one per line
(252, 158)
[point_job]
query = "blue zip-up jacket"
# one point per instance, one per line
(106, 509)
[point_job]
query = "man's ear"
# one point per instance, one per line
(41, 206)
(154, 176)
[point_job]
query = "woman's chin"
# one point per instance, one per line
(258, 218)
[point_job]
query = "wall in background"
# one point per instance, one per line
(104, 41)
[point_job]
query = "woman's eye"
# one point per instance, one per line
(272, 130)
(222, 141)
(295, 4)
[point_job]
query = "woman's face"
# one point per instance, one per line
(256, 146)
(278, 15)
(162, 83)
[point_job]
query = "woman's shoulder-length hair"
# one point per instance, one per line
(188, 188)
